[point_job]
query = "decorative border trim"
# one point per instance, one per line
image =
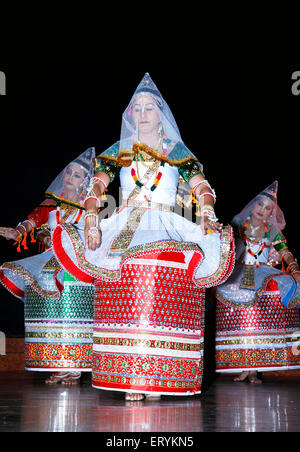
(226, 266)
(250, 304)
(87, 272)
(63, 200)
(27, 277)
(125, 156)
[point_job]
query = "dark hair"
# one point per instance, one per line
(82, 164)
(152, 92)
(267, 195)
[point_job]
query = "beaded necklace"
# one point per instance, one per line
(157, 178)
(247, 244)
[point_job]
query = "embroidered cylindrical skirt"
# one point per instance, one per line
(263, 336)
(59, 332)
(148, 331)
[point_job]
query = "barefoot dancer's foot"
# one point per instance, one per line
(134, 397)
(64, 378)
(242, 376)
(253, 378)
(72, 379)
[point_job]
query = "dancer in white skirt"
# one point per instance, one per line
(58, 308)
(149, 264)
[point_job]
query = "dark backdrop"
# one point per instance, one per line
(239, 117)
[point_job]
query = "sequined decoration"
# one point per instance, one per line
(248, 281)
(261, 336)
(58, 333)
(148, 332)
(121, 243)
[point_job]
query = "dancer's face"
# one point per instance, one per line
(74, 176)
(262, 209)
(145, 114)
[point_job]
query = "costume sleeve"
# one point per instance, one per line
(41, 213)
(106, 162)
(189, 170)
(108, 168)
(279, 242)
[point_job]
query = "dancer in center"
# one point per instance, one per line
(150, 265)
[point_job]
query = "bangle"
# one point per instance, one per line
(31, 223)
(204, 181)
(209, 212)
(95, 179)
(91, 213)
(293, 268)
(207, 194)
(93, 231)
(207, 207)
(92, 197)
(22, 226)
(94, 211)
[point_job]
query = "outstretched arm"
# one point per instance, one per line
(35, 219)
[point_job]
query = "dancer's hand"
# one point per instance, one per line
(209, 227)
(9, 233)
(45, 238)
(92, 236)
(297, 277)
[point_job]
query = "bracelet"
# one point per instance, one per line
(95, 179)
(90, 215)
(93, 231)
(207, 207)
(91, 211)
(204, 181)
(30, 222)
(207, 194)
(92, 197)
(209, 212)
(213, 193)
(22, 226)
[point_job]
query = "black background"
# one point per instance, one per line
(236, 113)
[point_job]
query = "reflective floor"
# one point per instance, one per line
(28, 405)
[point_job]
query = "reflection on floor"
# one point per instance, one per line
(28, 405)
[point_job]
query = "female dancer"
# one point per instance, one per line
(58, 308)
(257, 318)
(150, 265)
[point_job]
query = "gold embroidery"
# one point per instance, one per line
(227, 256)
(122, 241)
(63, 200)
(248, 281)
(52, 264)
(125, 156)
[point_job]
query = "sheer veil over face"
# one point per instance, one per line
(264, 207)
(147, 108)
(71, 184)
(148, 125)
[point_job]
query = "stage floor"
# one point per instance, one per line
(28, 405)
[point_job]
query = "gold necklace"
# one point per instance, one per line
(154, 165)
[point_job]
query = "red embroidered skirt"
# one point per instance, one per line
(264, 336)
(148, 330)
